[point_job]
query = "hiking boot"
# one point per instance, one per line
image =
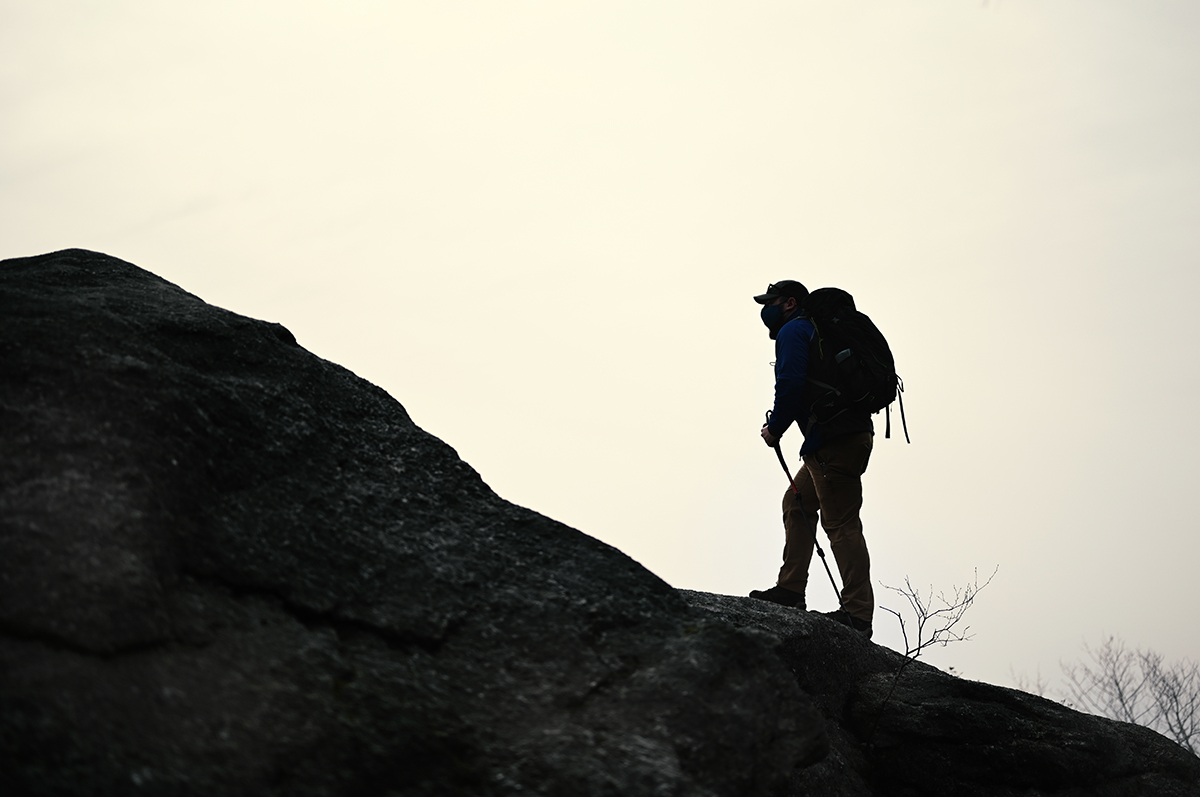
(780, 595)
(842, 616)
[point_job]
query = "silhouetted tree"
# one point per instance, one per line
(1138, 686)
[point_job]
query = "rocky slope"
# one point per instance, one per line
(939, 735)
(230, 567)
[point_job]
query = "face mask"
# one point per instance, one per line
(772, 316)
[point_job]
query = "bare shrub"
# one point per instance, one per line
(1138, 686)
(1035, 686)
(936, 617)
(936, 620)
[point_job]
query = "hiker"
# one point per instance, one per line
(828, 485)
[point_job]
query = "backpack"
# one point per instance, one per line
(850, 366)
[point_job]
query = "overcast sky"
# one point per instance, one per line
(539, 226)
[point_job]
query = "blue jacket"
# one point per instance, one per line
(791, 404)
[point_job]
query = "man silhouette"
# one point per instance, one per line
(828, 485)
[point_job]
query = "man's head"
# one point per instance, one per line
(780, 302)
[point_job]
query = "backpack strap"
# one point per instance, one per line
(821, 384)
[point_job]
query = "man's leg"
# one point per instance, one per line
(836, 473)
(797, 532)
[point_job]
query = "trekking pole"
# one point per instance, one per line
(807, 524)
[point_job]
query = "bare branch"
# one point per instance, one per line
(1138, 686)
(937, 617)
(1036, 686)
(937, 620)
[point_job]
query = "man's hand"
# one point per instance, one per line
(769, 438)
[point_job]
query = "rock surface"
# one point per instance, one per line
(939, 735)
(230, 567)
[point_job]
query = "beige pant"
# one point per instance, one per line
(830, 487)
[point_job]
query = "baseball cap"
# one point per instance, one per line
(782, 288)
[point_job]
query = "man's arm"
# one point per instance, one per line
(791, 371)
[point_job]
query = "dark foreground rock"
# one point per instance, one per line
(230, 567)
(941, 736)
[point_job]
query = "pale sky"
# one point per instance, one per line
(539, 226)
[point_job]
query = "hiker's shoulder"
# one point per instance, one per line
(799, 323)
(799, 328)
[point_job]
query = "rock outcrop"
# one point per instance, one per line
(942, 736)
(230, 567)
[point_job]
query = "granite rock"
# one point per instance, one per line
(937, 735)
(228, 566)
